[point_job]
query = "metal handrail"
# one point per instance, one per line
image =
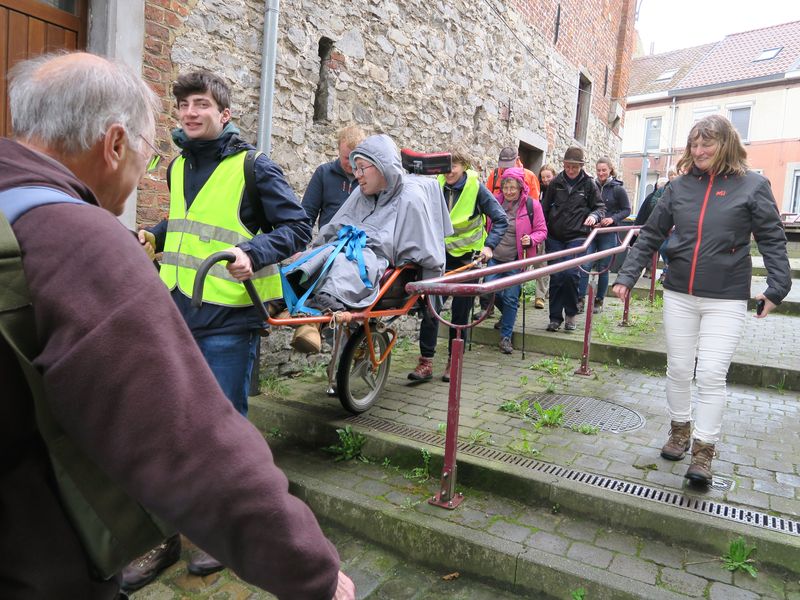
(453, 285)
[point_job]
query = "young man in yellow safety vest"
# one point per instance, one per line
(212, 209)
(470, 203)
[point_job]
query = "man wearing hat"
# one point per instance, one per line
(572, 206)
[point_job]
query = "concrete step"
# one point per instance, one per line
(540, 484)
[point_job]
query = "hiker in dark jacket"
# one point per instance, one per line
(715, 207)
(571, 206)
(618, 207)
(333, 182)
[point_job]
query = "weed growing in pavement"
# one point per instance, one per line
(738, 557)
(780, 386)
(317, 370)
(556, 508)
(274, 386)
(654, 372)
(421, 474)
(548, 417)
(586, 429)
(408, 504)
(579, 594)
(552, 366)
(403, 344)
(479, 436)
(441, 428)
(276, 433)
(523, 380)
(387, 462)
(349, 446)
(529, 289)
(647, 467)
(519, 408)
(523, 446)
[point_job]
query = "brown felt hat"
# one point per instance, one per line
(574, 154)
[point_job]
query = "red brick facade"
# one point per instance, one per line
(162, 19)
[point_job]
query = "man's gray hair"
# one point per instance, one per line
(68, 106)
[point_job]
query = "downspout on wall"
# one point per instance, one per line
(674, 109)
(269, 56)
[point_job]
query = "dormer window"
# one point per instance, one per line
(768, 54)
(668, 74)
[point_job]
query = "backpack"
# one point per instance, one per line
(112, 527)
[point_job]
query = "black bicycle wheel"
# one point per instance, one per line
(359, 385)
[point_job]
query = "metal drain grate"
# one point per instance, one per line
(580, 410)
(708, 507)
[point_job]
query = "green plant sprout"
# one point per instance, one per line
(349, 446)
(738, 557)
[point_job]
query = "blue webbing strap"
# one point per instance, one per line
(17, 201)
(350, 239)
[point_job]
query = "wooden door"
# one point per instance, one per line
(29, 28)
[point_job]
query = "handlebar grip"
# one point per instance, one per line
(202, 271)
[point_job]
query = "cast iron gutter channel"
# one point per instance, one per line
(708, 507)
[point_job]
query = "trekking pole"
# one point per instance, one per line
(524, 257)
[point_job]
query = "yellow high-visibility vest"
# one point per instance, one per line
(469, 232)
(210, 225)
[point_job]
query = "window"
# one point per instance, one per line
(740, 119)
(701, 113)
(669, 74)
(322, 97)
(768, 54)
(652, 136)
(66, 5)
(795, 207)
(582, 109)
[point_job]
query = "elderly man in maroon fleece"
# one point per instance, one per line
(121, 371)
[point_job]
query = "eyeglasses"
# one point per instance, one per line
(360, 170)
(155, 160)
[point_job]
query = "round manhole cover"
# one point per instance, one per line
(582, 410)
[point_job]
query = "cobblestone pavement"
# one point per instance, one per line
(377, 573)
(759, 449)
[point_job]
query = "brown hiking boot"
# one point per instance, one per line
(423, 371)
(680, 437)
(446, 374)
(700, 470)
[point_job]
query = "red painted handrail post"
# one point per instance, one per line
(626, 310)
(584, 369)
(653, 267)
(447, 497)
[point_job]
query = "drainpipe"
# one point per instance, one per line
(269, 55)
(674, 109)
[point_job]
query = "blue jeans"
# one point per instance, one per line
(563, 285)
(602, 241)
(506, 301)
(231, 358)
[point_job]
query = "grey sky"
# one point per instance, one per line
(674, 24)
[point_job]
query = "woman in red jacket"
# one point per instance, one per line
(526, 229)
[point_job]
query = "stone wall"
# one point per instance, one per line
(429, 73)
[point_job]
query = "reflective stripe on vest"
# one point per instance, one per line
(210, 225)
(469, 225)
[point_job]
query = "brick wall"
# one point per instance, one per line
(163, 19)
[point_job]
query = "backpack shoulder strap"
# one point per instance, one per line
(17, 201)
(529, 206)
(250, 174)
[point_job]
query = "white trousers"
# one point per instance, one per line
(708, 330)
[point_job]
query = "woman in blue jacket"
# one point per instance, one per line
(715, 207)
